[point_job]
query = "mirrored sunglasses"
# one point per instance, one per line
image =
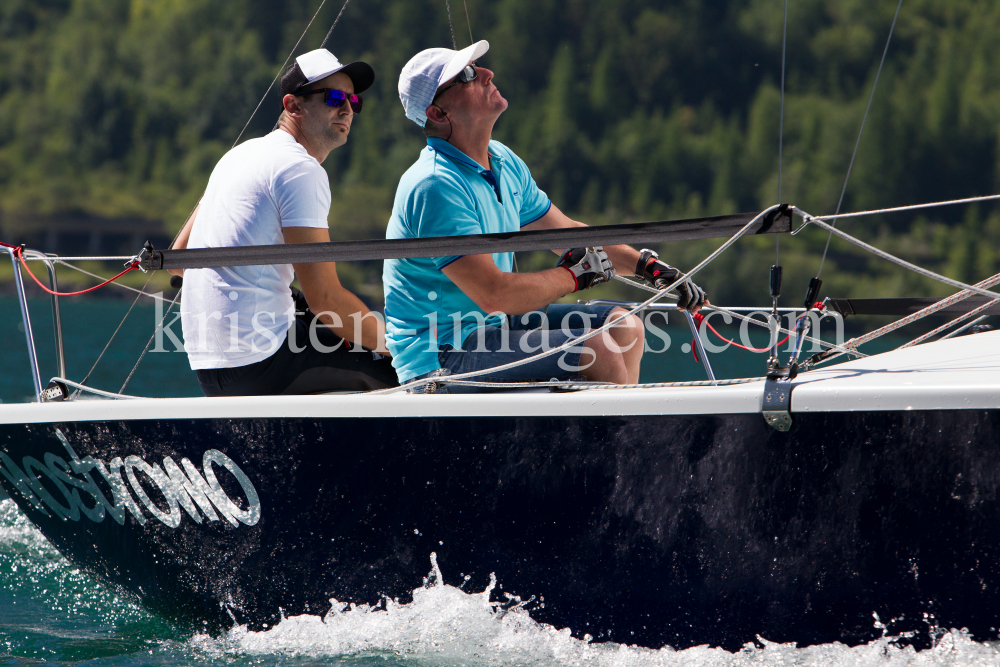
(336, 98)
(468, 74)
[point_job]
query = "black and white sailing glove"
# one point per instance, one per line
(659, 275)
(589, 266)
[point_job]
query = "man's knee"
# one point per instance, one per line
(627, 333)
(607, 363)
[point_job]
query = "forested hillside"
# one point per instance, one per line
(624, 109)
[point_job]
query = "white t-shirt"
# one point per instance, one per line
(239, 315)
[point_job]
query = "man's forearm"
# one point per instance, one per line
(555, 283)
(624, 258)
(515, 293)
(352, 318)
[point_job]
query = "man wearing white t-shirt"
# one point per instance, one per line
(240, 330)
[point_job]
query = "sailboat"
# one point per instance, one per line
(793, 506)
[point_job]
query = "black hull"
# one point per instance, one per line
(652, 530)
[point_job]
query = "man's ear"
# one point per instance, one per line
(291, 104)
(436, 114)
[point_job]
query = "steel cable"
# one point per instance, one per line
(862, 130)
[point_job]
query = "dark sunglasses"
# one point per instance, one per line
(336, 98)
(467, 75)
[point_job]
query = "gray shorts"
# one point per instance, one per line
(526, 336)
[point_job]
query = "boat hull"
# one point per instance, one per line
(653, 530)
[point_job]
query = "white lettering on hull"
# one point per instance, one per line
(182, 488)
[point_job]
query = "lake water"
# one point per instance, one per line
(52, 612)
(88, 324)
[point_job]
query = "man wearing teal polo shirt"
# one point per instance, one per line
(467, 313)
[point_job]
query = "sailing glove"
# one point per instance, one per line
(589, 266)
(659, 275)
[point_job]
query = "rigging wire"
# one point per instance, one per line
(957, 320)
(264, 96)
(335, 22)
(108, 344)
(451, 27)
(967, 326)
(64, 262)
(471, 40)
(860, 132)
(282, 68)
(781, 122)
(173, 302)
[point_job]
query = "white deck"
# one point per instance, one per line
(960, 373)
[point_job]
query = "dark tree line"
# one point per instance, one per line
(625, 110)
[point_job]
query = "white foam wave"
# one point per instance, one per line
(18, 533)
(445, 625)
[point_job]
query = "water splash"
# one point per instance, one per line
(49, 610)
(445, 625)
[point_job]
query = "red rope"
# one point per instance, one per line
(20, 255)
(699, 318)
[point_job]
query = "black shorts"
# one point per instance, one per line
(311, 371)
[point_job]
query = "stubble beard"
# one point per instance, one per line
(334, 136)
(329, 135)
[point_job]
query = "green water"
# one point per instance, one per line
(52, 613)
(88, 324)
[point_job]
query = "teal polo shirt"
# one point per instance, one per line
(446, 193)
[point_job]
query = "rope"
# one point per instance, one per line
(280, 71)
(148, 342)
(897, 209)
(586, 386)
(903, 262)
(861, 131)
(63, 262)
(132, 267)
(96, 258)
(699, 318)
(967, 290)
(841, 349)
(960, 318)
(909, 319)
(19, 253)
(732, 313)
(587, 336)
(82, 387)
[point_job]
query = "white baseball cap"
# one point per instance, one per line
(319, 64)
(429, 70)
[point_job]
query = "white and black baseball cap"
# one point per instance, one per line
(429, 70)
(319, 64)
